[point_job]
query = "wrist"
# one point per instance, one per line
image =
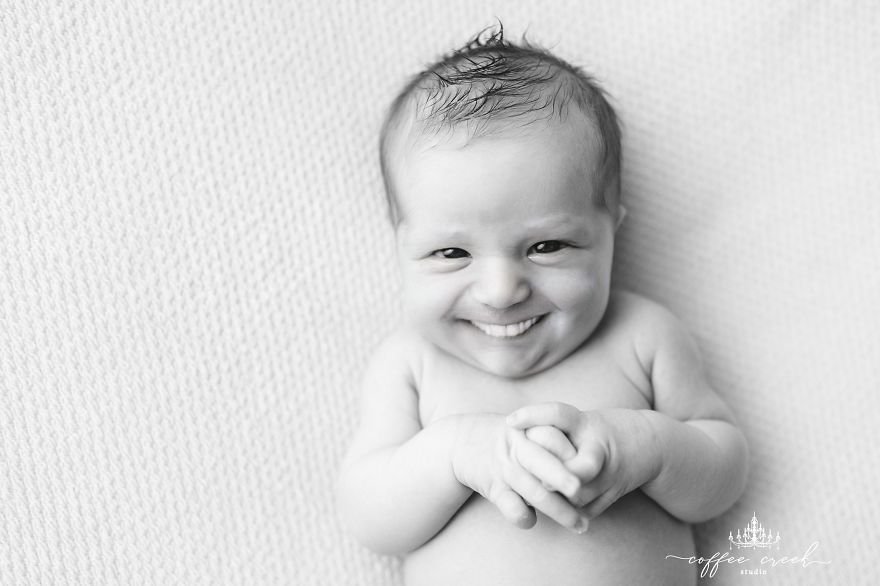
(471, 434)
(638, 443)
(652, 445)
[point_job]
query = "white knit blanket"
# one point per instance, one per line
(195, 264)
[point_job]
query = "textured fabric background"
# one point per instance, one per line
(195, 264)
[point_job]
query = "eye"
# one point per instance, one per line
(547, 247)
(450, 253)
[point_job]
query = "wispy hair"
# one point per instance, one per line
(492, 85)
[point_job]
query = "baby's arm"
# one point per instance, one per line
(687, 454)
(703, 456)
(400, 484)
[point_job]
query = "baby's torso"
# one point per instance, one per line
(625, 545)
(599, 375)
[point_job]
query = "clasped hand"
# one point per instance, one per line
(569, 464)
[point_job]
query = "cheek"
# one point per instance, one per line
(428, 297)
(574, 290)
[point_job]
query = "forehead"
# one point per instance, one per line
(541, 153)
(542, 167)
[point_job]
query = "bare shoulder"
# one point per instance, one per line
(645, 320)
(635, 306)
(397, 360)
(389, 400)
(652, 330)
(398, 346)
(671, 359)
(401, 347)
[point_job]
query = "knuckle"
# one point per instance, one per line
(591, 465)
(514, 449)
(594, 457)
(586, 468)
(572, 490)
(493, 493)
(558, 409)
(539, 494)
(535, 434)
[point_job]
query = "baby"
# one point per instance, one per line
(522, 392)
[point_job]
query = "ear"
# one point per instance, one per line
(620, 217)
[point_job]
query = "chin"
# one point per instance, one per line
(509, 368)
(507, 371)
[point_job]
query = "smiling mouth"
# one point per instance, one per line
(506, 330)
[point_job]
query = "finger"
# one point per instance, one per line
(513, 508)
(587, 463)
(544, 466)
(591, 497)
(586, 496)
(552, 440)
(560, 415)
(601, 503)
(549, 503)
(589, 467)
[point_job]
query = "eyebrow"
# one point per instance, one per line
(550, 223)
(442, 233)
(556, 222)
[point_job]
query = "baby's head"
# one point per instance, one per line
(502, 171)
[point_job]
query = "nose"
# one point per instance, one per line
(500, 284)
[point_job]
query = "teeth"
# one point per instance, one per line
(505, 331)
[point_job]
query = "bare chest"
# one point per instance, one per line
(592, 378)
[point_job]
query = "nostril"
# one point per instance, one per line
(502, 295)
(501, 288)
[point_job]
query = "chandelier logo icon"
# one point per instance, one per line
(754, 536)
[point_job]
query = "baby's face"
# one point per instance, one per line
(506, 260)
